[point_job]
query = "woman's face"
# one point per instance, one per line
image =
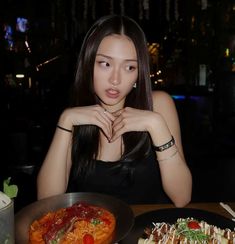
(115, 71)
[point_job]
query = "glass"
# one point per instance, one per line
(7, 224)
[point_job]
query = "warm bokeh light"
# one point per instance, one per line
(20, 76)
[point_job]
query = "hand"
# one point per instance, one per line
(130, 119)
(90, 115)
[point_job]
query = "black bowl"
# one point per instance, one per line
(122, 212)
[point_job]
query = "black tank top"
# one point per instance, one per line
(133, 182)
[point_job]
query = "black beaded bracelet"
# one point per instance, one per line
(165, 146)
(62, 128)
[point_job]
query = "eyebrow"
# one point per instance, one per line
(108, 57)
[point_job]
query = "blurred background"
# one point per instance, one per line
(192, 54)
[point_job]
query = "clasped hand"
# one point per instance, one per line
(129, 119)
(115, 124)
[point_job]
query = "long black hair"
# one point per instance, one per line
(85, 142)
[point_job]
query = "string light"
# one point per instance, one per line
(227, 53)
(85, 9)
(20, 76)
(176, 10)
(122, 7)
(146, 8)
(168, 10)
(111, 7)
(46, 62)
(93, 9)
(140, 10)
(27, 46)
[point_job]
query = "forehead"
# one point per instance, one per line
(117, 46)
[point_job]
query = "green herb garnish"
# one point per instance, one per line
(95, 221)
(191, 234)
(10, 190)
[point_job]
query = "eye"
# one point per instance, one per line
(130, 68)
(103, 63)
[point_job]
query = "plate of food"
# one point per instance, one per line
(86, 217)
(181, 224)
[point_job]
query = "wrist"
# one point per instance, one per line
(165, 146)
(64, 129)
(168, 155)
(65, 120)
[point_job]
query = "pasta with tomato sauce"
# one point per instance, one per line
(81, 224)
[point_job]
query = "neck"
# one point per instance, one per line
(111, 111)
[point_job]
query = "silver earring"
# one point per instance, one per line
(134, 86)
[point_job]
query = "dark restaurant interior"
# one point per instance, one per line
(192, 56)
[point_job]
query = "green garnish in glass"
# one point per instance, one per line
(10, 190)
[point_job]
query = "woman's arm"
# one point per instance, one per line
(161, 124)
(176, 176)
(54, 173)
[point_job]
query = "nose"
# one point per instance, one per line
(115, 77)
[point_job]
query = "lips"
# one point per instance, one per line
(112, 93)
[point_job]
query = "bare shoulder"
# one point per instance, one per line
(162, 101)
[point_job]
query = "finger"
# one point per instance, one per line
(118, 124)
(117, 134)
(106, 115)
(105, 128)
(117, 121)
(109, 115)
(119, 130)
(103, 122)
(111, 119)
(107, 121)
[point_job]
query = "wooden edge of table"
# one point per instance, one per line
(208, 206)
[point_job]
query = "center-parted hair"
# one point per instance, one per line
(85, 143)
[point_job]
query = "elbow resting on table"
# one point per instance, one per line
(182, 200)
(183, 196)
(182, 203)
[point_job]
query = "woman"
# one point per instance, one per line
(118, 137)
